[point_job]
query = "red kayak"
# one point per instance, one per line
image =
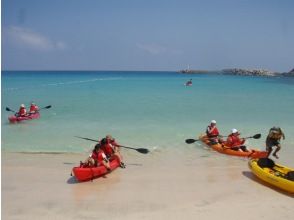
(15, 119)
(89, 173)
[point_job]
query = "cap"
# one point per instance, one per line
(213, 122)
(22, 105)
(234, 130)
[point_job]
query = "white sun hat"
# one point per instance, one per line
(213, 122)
(234, 130)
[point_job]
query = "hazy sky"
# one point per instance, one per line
(147, 34)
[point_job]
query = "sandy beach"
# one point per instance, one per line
(192, 183)
(120, 68)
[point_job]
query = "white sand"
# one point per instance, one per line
(194, 184)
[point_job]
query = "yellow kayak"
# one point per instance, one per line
(274, 174)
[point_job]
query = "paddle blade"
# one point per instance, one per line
(9, 110)
(142, 150)
(190, 141)
(46, 107)
(257, 136)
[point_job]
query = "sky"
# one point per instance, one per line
(147, 35)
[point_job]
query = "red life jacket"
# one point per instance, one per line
(234, 141)
(22, 111)
(34, 108)
(98, 157)
(210, 132)
(108, 146)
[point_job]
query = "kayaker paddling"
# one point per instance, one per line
(22, 112)
(189, 83)
(222, 148)
(23, 115)
(33, 108)
(212, 133)
(234, 141)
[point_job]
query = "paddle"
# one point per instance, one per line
(10, 110)
(49, 106)
(190, 141)
(256, 136)
(140, 150)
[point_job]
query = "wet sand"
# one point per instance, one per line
(180, 184)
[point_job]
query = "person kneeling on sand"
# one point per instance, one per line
(273, 139)
(111, 148)
(97, 158)
(236, 143)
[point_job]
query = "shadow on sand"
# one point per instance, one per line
(251, 176)
(72, 180)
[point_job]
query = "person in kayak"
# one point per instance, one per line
(273, 140)
(189, 82)
(236, 143)
(33, 108)
(212, 133)
(22, 112)
(97, 158)
(111, 148)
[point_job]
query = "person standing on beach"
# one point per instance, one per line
(111, 148)
(234, 142)
(273, 140)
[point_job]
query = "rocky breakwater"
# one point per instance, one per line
(189, 71)
(247, 72)
(291, 73)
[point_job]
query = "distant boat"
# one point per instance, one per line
(186, 70)
(192, 71)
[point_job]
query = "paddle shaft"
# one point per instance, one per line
(137, 149)
(190, 141)
(10, 110)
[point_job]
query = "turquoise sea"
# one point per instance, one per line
(141, 109)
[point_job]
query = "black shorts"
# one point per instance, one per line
(270, 142)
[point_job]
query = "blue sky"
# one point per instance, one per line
(147, 34)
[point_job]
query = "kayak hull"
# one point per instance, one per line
(15, 119)
(224, 150)
(277, 176)
(90, 173)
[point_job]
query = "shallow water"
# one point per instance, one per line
(142, 109)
